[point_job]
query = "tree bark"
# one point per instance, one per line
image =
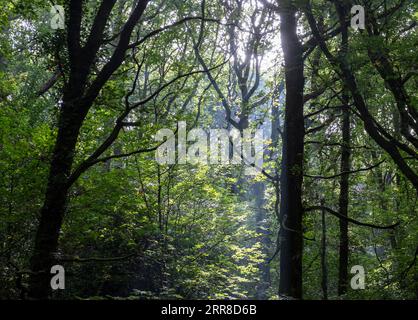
(258, 189)
(343, 199)
(324, 267)
(342, 11)
(52, 213)
(291, 210)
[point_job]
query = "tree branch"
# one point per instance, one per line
(344, 172)
(339, 216)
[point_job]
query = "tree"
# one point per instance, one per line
(82, 111)
(291, 209)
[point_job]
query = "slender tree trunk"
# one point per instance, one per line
(291, 210)
(343, 200)
(264, 239)
(342, 10)
(324, 267)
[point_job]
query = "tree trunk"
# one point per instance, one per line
(343, 200)
(342, 10)
(324, 268)
(264, 239)
(52, 213)
(291, 210)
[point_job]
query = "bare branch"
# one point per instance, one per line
(345, 172)
(359, 223)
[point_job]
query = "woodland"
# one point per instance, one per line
(330, 214)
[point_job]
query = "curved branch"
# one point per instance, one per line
(175, 24)
(359, 223)
(344, 172)
(98, 259)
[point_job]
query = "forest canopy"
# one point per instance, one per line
(209, 149)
